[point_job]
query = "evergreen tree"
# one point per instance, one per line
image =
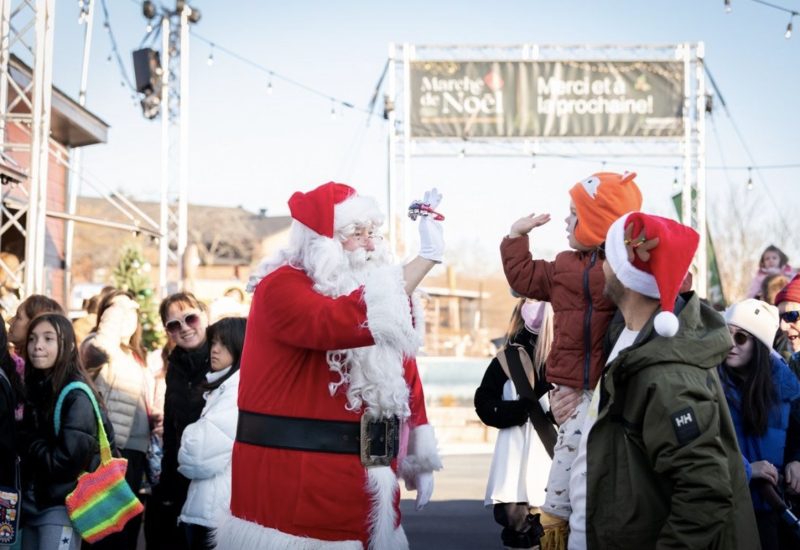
(130, 275)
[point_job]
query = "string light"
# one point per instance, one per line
(792, 13)
(675, 183)
(533, 164)
(210, 59)
(149, 28)
(462, 153)
(749, 178)
(333, 110)
(728, 7)
(269, 87)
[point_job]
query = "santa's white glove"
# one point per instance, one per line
(424, 484)
(431, 232)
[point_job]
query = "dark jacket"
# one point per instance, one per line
(8, 441)
(573, 283)
(665, 446)
(489, 404)
(51, 464)
(183, 403)
(773, 446)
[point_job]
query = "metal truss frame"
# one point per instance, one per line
(689, 151)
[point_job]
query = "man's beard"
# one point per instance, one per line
(613, 289)
(337, 272)
(372, 376)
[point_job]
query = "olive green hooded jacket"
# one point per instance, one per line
(663, 466)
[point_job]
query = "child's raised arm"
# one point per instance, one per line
(524, 225)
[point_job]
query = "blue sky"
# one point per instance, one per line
(254, 149)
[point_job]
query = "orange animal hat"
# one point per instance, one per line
(600, 200)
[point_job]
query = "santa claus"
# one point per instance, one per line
(331, 409)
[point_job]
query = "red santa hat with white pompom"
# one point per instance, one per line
(651, 255)
(332, 206)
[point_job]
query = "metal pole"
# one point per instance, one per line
(405, 227)
(686, 195)
(183, 151)
(42, 95)
(5, 42)
(700, 152)
(163, 248)
(75, 175)
(391, 175)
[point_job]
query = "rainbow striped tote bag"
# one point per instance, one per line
(103, 502)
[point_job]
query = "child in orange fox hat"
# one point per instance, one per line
(573, 283)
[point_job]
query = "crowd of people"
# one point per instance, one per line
(291, 427)
(687, 417)
(174, 423)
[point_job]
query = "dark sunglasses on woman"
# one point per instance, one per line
(190, 320)
(740, 338)
(791, 316)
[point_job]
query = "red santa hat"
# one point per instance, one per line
(789, 293)
(651, 255)
(332, 206)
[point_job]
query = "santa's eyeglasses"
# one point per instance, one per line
(363, 235)
(790, 316)
(190, 320)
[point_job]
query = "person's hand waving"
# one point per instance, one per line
(431, 231)
(524, 225)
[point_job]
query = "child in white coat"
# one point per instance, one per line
(207, 445)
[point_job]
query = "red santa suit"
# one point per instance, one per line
(312, 499)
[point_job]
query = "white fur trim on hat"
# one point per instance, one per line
(357, 209)
(617, 257)
(756, 317)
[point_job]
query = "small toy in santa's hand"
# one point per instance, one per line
(419, 208)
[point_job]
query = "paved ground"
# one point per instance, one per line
(456, 518)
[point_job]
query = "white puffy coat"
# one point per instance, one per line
(205, 456)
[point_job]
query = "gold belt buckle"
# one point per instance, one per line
(389, 436)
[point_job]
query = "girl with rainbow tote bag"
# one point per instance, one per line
(103, 502)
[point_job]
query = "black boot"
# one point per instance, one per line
(528, 537)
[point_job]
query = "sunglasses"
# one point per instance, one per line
(190, 320)
(740, 338)
(790, 316)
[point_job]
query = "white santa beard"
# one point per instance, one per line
(372, 375)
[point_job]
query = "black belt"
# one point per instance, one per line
(375, 441)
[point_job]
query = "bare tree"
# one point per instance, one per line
(740, 232)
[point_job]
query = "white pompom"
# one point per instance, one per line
(666, 324)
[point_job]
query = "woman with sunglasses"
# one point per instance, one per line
(788, 304)
(763, 396)
(185, 321)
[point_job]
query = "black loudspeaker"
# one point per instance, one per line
(147, 70)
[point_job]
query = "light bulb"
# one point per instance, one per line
(788, 34)
(210, 59)
(728, 7)
(269, 88)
